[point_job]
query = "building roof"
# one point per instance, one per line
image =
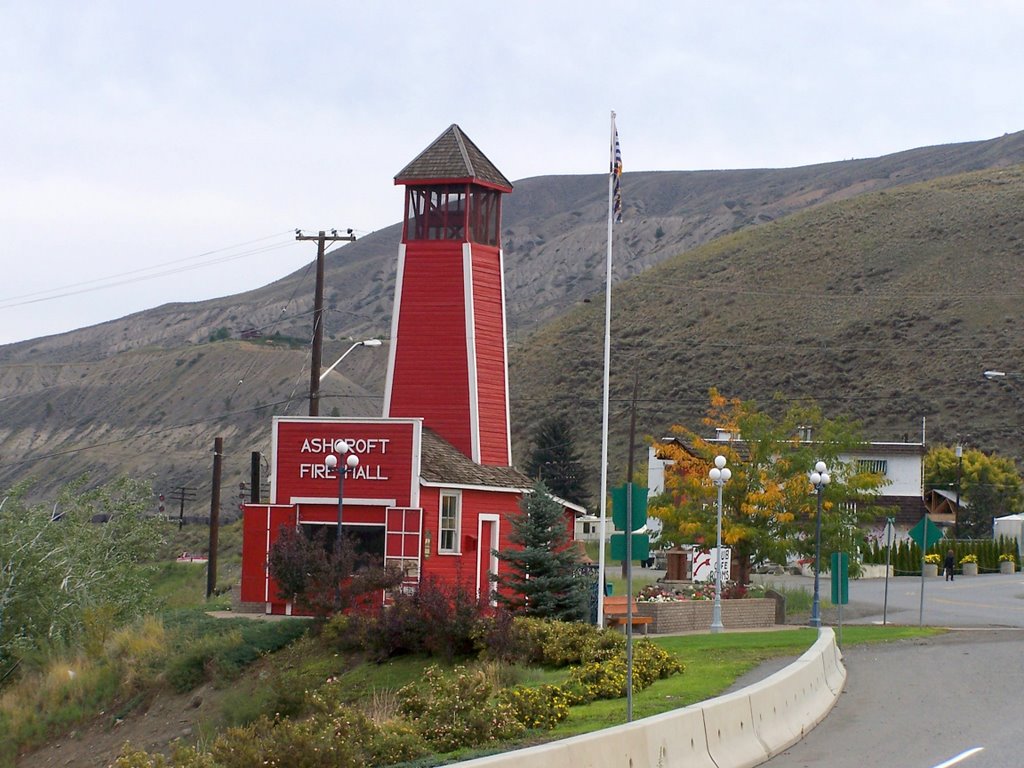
(950, 496)
(442, 462)
(872, 448)
(453, 157)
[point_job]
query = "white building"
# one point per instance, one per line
(901, 464)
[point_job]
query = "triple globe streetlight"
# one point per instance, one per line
(719, 475)
(819, 479)
(334, 462)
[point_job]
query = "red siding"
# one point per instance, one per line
(384, 448)
(256, 586)
(490, 357)
(462, 568)
(431, 370)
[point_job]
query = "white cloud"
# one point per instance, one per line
(144, 133)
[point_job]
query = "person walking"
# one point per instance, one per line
(949, 565)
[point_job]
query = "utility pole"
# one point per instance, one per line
(211, 563)
(181, 495)
(321, 238)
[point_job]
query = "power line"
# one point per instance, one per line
(142, 274)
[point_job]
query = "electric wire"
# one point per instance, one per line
(141, 274)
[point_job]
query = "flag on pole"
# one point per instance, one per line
(616, 171)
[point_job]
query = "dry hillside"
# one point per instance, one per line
(846, 281)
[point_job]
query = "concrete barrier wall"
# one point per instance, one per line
(737, 730)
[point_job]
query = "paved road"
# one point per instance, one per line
(926, 702)
(921, 703)
(988, 600)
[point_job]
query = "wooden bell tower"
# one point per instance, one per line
(448, 360)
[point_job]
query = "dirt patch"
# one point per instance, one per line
(155, 728)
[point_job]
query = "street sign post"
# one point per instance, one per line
(638, 507)
(641, 546)
(840, 585)
(925, 533)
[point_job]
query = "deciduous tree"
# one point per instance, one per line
(324, 579)
(768, 507)
(990, 486)
(62, 569)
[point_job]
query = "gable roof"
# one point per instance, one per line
(444, 464)
(453, 157)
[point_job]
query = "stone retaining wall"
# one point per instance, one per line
(692, 615)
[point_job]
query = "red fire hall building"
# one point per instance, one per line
(434, 484)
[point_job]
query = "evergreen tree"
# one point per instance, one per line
(539, 577)
(555, 460)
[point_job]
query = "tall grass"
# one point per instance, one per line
(798, 599)
(134, 661)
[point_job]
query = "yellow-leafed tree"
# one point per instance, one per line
(768, 505)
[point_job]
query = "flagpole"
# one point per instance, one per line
(607, 369)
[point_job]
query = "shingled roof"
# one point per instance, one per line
(442, 462)
(453, 157)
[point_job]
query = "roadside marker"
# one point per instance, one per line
(960, 757)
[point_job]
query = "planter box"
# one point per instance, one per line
(970, 569)
(1006, 566)
(695, 615)
(931, 569)
(871, 571)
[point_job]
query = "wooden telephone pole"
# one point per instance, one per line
(321, 238)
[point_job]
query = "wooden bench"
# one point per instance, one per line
(615, 613)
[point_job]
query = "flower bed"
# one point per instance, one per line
(693, 615)
(688, 607)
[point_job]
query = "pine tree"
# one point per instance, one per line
(555, 460)
(539, 576)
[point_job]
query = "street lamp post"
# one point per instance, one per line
(959, 477)
(819, 479)
(363, 343)
(333, 462)
(719, 475)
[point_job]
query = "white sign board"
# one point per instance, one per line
(705, 562)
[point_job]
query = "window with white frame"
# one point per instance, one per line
(872, 466)
(448, 525)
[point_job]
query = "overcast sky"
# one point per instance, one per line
(157, 152)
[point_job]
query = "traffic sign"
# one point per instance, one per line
(639, 509)
(641, 546)
(926, 533)
(840, 578)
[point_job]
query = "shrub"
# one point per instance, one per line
(969, 558)
(598, 680)
(1007, 557)
(324, 581)
(438, 619)
(457, 709)
(607, 679)
(542, 707)
(550, 643)
(341, 738)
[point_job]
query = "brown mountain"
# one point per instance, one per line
(850, 282)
